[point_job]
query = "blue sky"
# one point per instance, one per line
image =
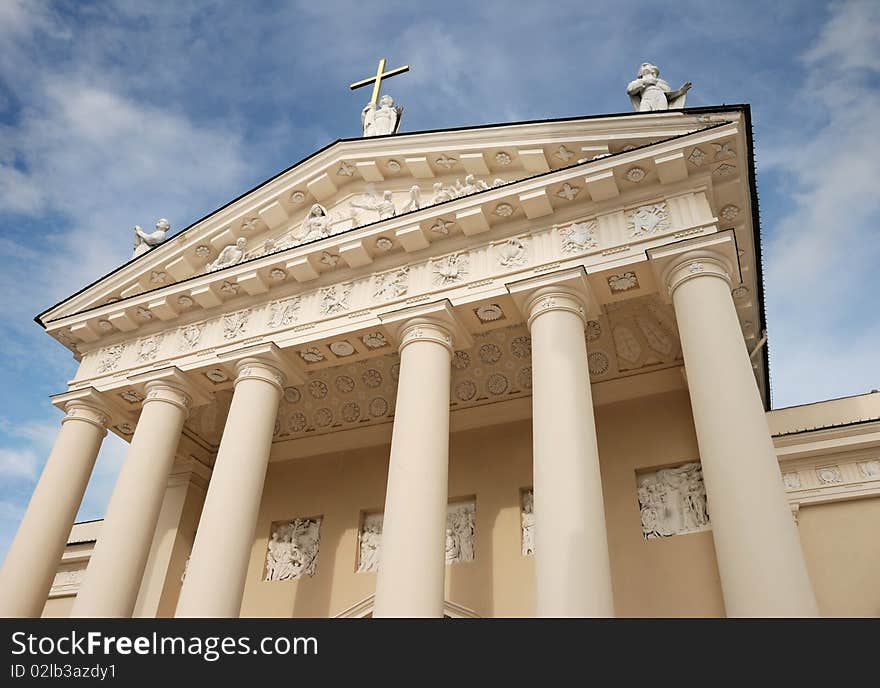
(117, 113)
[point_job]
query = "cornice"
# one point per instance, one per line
(162, 300)
(158, 258)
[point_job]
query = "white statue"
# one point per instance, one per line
(315, 226)
(384, 206)
(144, 241)
(442, 193)
(230, 255)
(415, 199)
(649, 92)
(385, 119)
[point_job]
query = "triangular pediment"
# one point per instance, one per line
(350, 177)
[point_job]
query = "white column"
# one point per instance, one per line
(572, 567)
(413, 565)
(33, 557)
(762, 567)
(215, 579)
(115, 570)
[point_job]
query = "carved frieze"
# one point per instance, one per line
(648, 219)
(451, 269)
(578, 237)
(527, 522)
(460, 531)
(235, 324)
(673, 501)
(391, 285)
(292, 551)
(370, 540)
(284, 313)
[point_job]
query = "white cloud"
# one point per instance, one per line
(18, 463)
(822, 255)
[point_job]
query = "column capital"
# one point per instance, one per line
(174, 386)
(168, 392)
(268, 356)
(437, 322)
(258, 368)
(85, 404)
(714, 255)
(565, 290)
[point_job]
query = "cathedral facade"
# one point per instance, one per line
(510, 370)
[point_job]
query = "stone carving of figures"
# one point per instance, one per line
(315, 226)
(673, 501)
(371, 537)
(230, 255)
(384, 206)
(460, 533)
(648, 92)
(471, 185)
(385, 119)
(144, 241)
(415, 197)
(528, 523)
(293, 550)
(442, 193)
(453, 551)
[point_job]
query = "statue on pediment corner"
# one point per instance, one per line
(144, 241)
(381, 120)
(648, 92)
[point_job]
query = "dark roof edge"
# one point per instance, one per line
(744, 107)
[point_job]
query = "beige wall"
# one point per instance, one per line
(671, 577)
(675, 576)
(842, 547)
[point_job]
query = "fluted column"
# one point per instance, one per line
(215, 577)
(114, 573)
(572, 567)
(412, 567)
(33, 557)
(762, 567)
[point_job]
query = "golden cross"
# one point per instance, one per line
(377, 80)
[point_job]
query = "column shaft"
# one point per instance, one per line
(572, 567)
(215, 579)
(114, 573)
(762, 567)
(413, 566)
(33, 557)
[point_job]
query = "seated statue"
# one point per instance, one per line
(315, 226)
(230, 255)
(144, 241)
(649, 92)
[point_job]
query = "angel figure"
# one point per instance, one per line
(382, 120)
(471, 185)
(649, 92)
(315, 226)
(144, 241)
(385, 206)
